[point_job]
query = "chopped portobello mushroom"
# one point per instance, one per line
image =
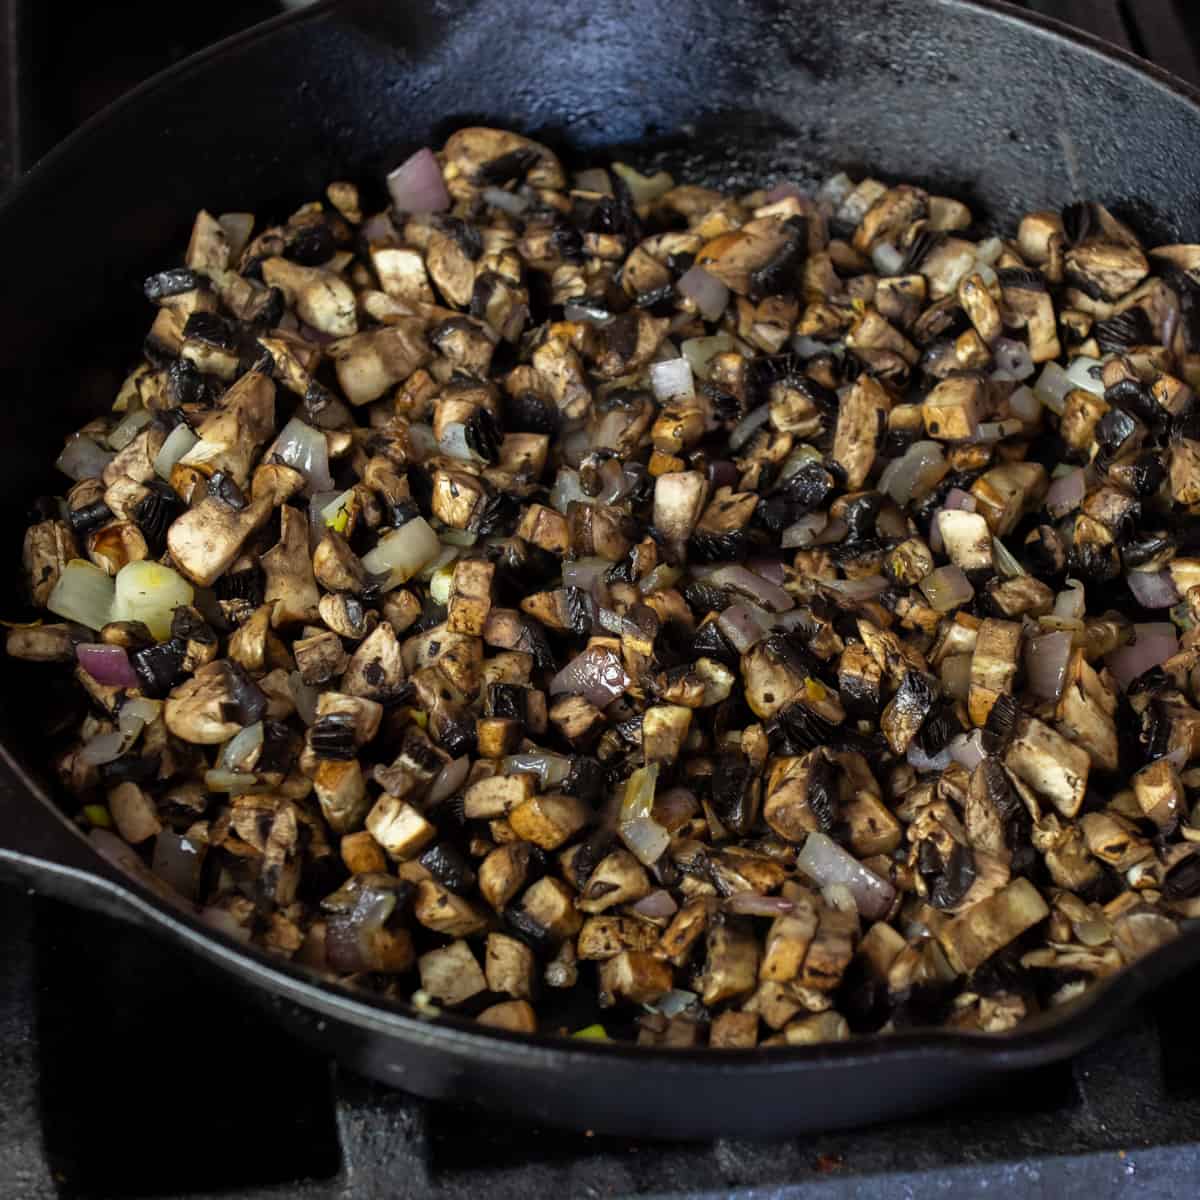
(611, 614)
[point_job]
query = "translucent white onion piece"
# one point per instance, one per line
(1085, 373)
(748, 426)
(1024, 404)
(705, 291)
(1052, 386)
(920, 761)
(700, 351)
(104, 748)
(84, 594)
(914, 473)
(757, 589)
(1153, 589)
(644, 189)
(242, 750)
(835, 189)
(567, 488)
(453, 441)
(238, 227)
(443, 559)
(307, 450)
(672, 379)
(1066, 493)
(233, 783)
(1046, 660)
(646, 838)
(421, 442)
(402, 552)
(149, 592)
(947, 588)
(967, 750)
(551, 769)
(509, 202)
(179, 441)
(1071, 602)
(804, 530)
(304, 697)
(440, 581)
(887, 259)
(744, 625)
(129, 427)
(825, 862)
(416, 185)
(1013, 360)
(83, 458)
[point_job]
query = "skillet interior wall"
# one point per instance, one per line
(970, 102)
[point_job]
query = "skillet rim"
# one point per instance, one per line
(1054, 1036)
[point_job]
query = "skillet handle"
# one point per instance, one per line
(42, 850)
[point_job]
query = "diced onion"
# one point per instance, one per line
(307, 450)
(835, 189)
(644, 189)
(645, 837)
(1052, 386)
(179, 441)
(105, 748)
(825, 862)
(304, 697)
(920, 761)
(551, 769)
(755, 904)
(1006, 563)
(1152, 646)
(1066, 493)
(107, 665)
(421, 442)
(967, 750)
(129, 427)
(597, 675)
(748, 426)
(149, 592)
(913, 474)
(1071, 602)
(453, 441)
(887, 259)
(804, 530)
(659, 905)
(705, 291)
(988, 251)
(567, 487)
(866, 587)
(242, 750)
(1153, 589)
(672, 379)
(238, 227)
(402, 553)
(956, 675)
(83, 458)
(222, 920)
(699, 351)
(746, 583)
(449, 779)
(1084, 373)
(1024, 404)
(509, 202)
(744, 625)
(84, 594)
(1046, 660)
(333, 513)
(417, 186)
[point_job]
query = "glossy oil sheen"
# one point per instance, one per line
(969, 100)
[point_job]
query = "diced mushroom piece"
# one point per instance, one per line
(550, 904)
(688, 924)
(49, 546)
(617, 879)
(907, 710)
(362, 855)
(342, 794)
(733, 1030)
(232, 435)
(399, 828)
(606, 936)
(439, 909)
(678, 502)
(133, 813)
(788, 941)
(993, 666)
(972, 938)
(831, 949)
(451, 975)
(203, 708)
(319, 657)
(546, 528)
(634, 976)
(290, 586)
(558, 367)
(786, 809)
(376, 669)
(476, 157)
(457, 497)
(1052, 767)
(980, 306)
(966, 537)
(1086, 712)
(731, 965)
(43, 643)
(861, 424)
(1106, 270)
(951, 411)
(370, 363)
(470, 597)
(321, 298)
(578, 720)
(517, 1016)
(205, 540)
(503, 872)
(549, 820)
(509, 966)
(1183, 471)
(208, 250)
(497, 796)
(401, 273)
(763, 254)
(664, 729)
(1004, 493)
(1160, 794)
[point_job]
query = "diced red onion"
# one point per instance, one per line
(1153, 589)
(1013, 360)
(675, 807)
(748, 426)
(947, 588)
(771, 569)
(349, 936)
(509, 202)
(957, 498)
(705, 291)
(920, 761)
(1066, 493)
(1152, 646)
(597, 675)
(887, 259)
(224, 922)
(865, 588)
(755, 904)
(672, 378)
(1024, 404)
(379, 228)
(82, 458)
(108, 665)
(417, 186)
(307, 450)
(657, 906)
(746, 583)
(804, 530)
(177, 860)
(449, 779)
(1071, 602)
(967, 750)
(914, 473)
(834, 531)
(1046, 660)
(785, 190)
(825, 862)
(743, 625)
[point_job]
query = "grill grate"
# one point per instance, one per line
(102, 1097)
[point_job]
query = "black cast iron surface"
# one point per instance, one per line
(237, 1108)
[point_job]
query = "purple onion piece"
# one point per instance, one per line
(754, 904)
(108, 665)
(597, 675)
(705, 291)
(754, 587)
(825, 862)
(417, 186)
(1153, 589)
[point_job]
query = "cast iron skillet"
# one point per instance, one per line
(966, 97)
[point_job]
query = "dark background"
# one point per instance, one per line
(129, 1070)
